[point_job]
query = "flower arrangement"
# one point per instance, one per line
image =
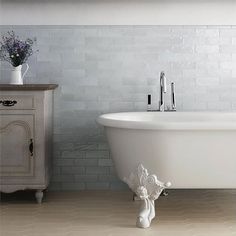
(14, 50)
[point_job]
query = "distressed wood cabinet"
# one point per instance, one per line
(26, 137)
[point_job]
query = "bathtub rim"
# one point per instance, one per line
(106, 121)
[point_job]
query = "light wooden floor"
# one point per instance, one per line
(94, 213)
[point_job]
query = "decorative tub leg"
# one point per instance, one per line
(148, 188)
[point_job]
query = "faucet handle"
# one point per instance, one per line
(173, 100)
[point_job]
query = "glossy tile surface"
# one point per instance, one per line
(113, 213)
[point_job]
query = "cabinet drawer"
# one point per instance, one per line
(17, 102)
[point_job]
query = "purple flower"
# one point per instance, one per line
(14, 50)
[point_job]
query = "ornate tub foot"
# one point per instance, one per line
(148, 188)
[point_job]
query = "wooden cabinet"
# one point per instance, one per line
(25, 137)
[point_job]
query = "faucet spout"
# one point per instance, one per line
(162, 91)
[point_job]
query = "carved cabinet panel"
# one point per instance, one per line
(16, 138)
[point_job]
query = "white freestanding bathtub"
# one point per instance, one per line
(189, 149)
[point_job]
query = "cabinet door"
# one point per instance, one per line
(16, 145)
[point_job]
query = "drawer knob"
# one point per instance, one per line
(8, 103)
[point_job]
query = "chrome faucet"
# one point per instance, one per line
(162, 91)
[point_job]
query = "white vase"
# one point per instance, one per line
(16, 75)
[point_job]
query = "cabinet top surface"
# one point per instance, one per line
(29, 87)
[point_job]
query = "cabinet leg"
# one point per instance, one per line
(39, 196)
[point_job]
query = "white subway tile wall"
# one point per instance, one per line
(103, 69)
